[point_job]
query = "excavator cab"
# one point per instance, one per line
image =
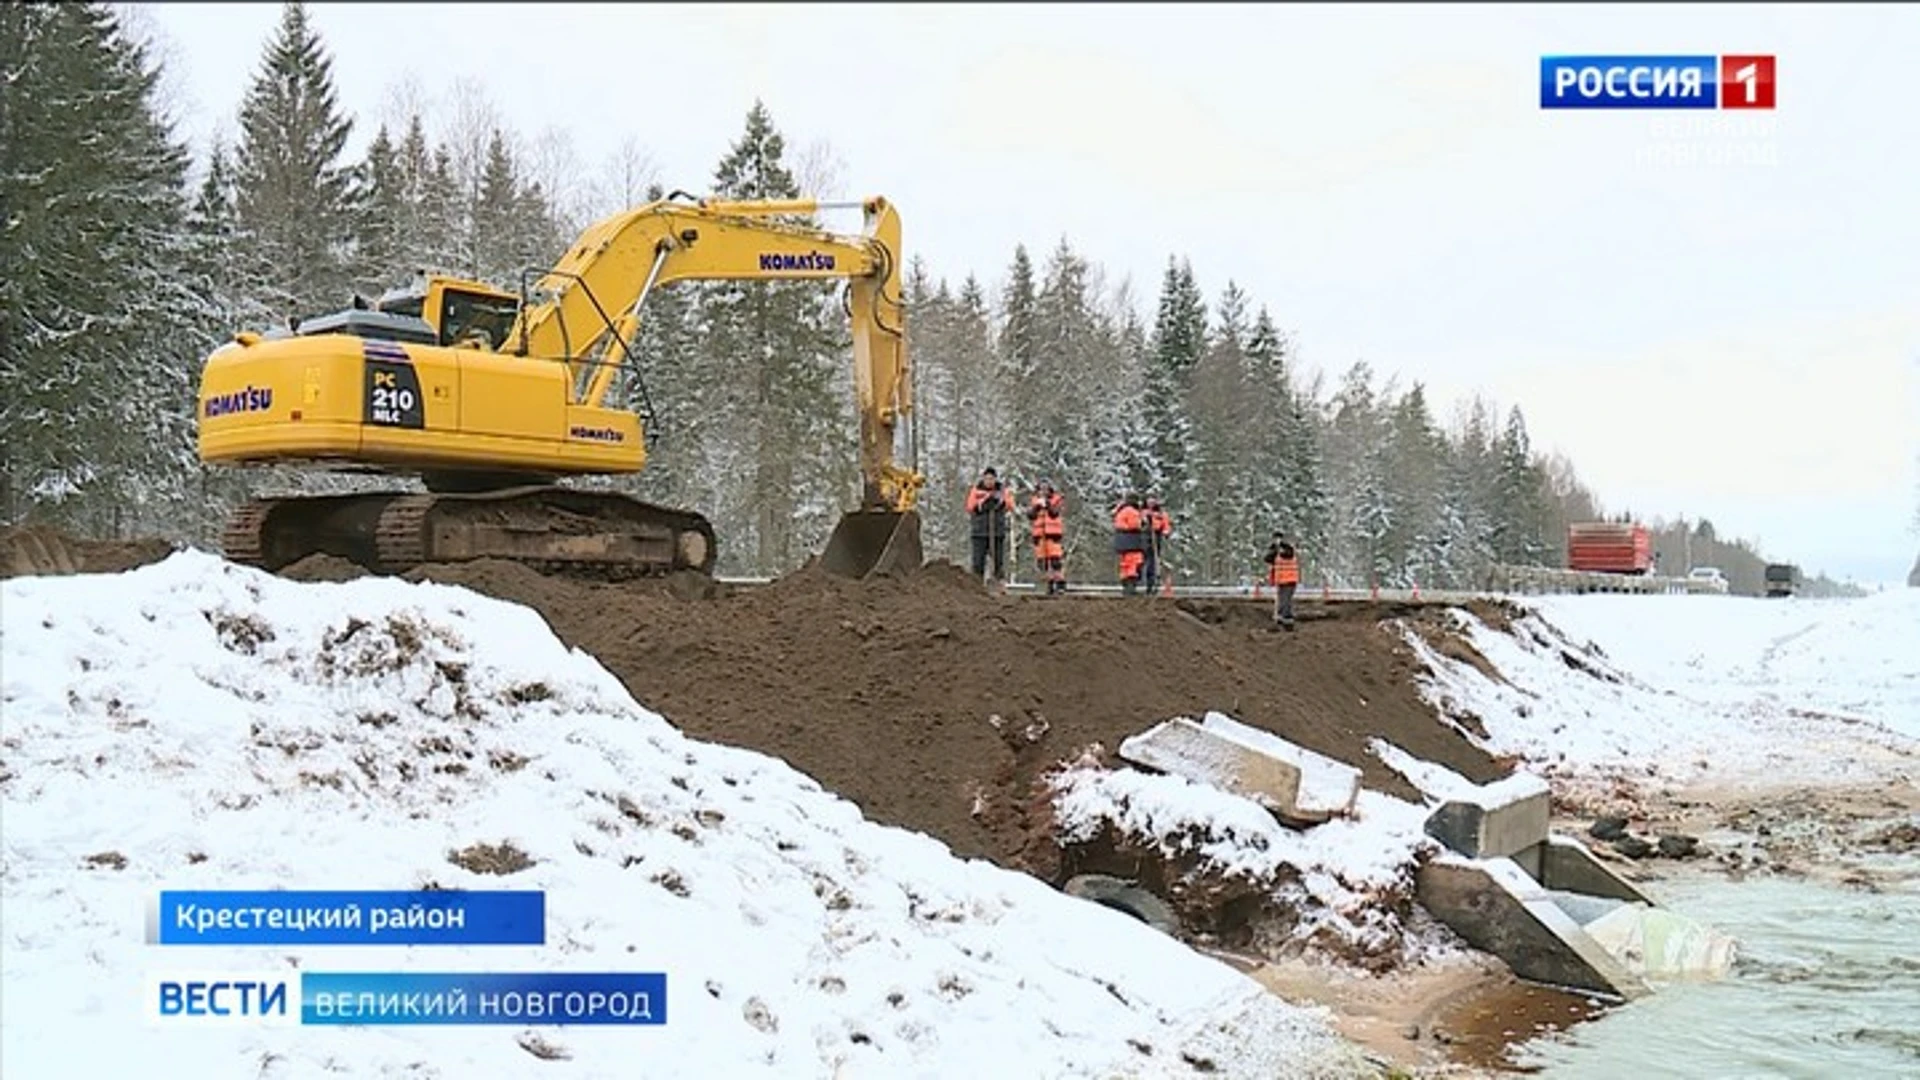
(460, 312)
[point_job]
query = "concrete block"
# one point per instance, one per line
(1566, 864)
(1495, 820)
(1291, 781)
(1498, 909)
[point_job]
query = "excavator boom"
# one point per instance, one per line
(492, 398)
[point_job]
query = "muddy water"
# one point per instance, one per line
(1827, 985)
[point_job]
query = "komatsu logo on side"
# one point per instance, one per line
(812, 260)
(604, 434)
(251, 399)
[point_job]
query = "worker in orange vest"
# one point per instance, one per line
(1130, 542)
(1048, 514)
(1283, 573)
(1159, 530)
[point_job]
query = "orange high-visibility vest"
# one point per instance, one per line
(1049, 526)
(1284, 570)
(1049, 516)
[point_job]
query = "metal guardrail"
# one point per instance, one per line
(1517, 581)
(1539, 580)
(1263, 594)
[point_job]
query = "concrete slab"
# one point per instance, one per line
(1497, 908)
(1293, 782)
(1495, 820)
(1327, 787)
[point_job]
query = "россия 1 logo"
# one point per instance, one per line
(1656, 82)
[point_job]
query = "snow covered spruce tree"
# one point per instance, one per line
(429, 210)
(98, 348)
(1417, 546)
(381, 220)
(295, 195)
(1179, 338)
(1357, 480)
(776, 363)
(936, 391)
(217, 272)
(1017, 366)
(1520, 506)
(960, 405)
(1122, 443)
(1283, 464)
(514, 226)
(1226, 432)
(1067, 340)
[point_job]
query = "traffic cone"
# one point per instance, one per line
(1416, 591)
(1326, 590)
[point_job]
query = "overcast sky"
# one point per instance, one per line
(1711, 313)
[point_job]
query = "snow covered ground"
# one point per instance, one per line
(215, 727)
(1699, 688)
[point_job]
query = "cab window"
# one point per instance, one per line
(468, 314)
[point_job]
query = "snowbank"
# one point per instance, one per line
(220, 728)
(1705, 688)
(1346, 876)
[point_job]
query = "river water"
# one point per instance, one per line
(1827, 985)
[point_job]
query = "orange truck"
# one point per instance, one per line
(1609, 548)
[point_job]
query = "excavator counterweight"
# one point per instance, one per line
(496, 400)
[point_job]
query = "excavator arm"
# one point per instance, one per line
(591, 303)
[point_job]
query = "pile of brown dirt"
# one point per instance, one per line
(885, 692)
(35, 550)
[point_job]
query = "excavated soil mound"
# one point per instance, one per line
(888, 692)
(37, 551)
(932, 703)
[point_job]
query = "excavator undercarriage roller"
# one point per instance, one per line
(567, 531)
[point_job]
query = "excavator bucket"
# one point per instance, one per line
(870, 543)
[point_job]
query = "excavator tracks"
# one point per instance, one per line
(244, 536)
(572, 532)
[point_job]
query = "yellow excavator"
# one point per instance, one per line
(492, 399)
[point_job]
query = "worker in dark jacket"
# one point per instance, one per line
(989, 508)
(1159, 531)
(1283, 573)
